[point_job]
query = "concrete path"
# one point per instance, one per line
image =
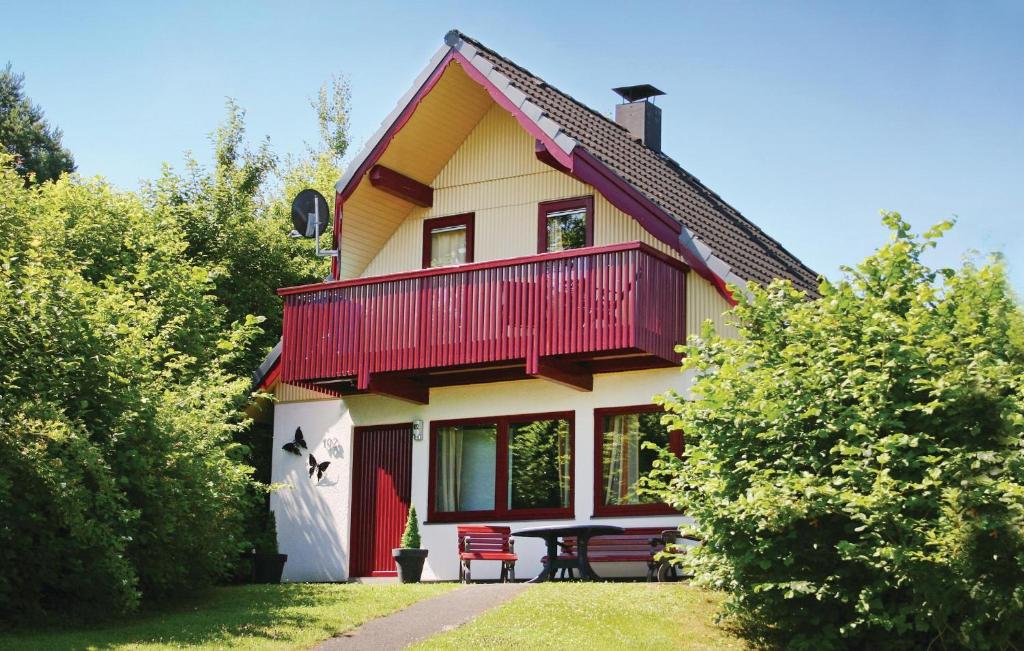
(425, 618)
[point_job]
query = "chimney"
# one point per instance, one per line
(639, 114)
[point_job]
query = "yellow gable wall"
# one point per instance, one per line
(496, 175)
(703, 302)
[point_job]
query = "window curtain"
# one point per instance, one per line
(449, 468)
(448, 246)
(564, 461)
(621, 459)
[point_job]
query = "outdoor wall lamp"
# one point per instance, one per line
(417, 430)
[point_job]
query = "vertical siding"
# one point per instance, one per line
(433, 133)
(703, 302)
(496, 175)
(612, 226)
(497, 148)
(285, 392)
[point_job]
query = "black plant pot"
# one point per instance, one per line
(410, 564)
(267, 568)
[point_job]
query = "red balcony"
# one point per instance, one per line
(561, 316)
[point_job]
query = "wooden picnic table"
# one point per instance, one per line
(582, 532)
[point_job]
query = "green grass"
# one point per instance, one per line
(596, 616)
(294, 616)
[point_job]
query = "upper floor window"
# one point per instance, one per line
(565, 224)
(447, 240)
(621, 458)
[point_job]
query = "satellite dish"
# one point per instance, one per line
(310, 214)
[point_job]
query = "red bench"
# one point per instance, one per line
(479, 543)
(639, 544)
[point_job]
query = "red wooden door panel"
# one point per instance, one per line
(381, 488)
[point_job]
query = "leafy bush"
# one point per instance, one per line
(234, 220)
(411, 535)
(127, 336)
(118, 473)
(855, 463)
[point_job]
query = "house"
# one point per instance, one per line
(515, 270)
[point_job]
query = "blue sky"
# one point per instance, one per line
(808, 117)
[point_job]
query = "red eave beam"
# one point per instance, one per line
(399, 387)
(399, 185)
(562, 372)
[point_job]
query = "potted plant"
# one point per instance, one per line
(267, 563)
(409, 556)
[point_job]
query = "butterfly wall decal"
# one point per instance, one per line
(293, 446)
(318, 468)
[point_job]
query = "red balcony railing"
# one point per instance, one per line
(626, 299)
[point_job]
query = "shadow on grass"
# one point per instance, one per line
(213, 617)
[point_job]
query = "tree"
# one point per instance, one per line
(332, 109)
(855, 463)
(411, 534)
(236, 215)
(25, 134)
(129, 326)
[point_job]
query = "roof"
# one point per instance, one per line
(735, 240)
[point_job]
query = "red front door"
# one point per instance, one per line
(381, 487)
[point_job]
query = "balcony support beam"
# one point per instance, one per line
(565, 373)
(399, 387)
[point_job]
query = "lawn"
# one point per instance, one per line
(298, 616)
(596, 616)
(294, 616)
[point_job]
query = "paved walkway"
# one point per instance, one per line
(425, 618)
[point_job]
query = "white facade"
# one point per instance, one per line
(314, 518)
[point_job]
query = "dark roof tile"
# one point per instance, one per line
(751, 253)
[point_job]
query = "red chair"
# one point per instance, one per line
(479, 543)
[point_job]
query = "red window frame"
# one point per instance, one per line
(675, 445)
(465, 219)
(501, 512)
(547, 207)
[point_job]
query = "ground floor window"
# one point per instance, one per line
(621, 458)
(501, 468)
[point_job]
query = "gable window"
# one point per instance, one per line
(621, 459)
(502, 468)
(565, 224)
(447, 240)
